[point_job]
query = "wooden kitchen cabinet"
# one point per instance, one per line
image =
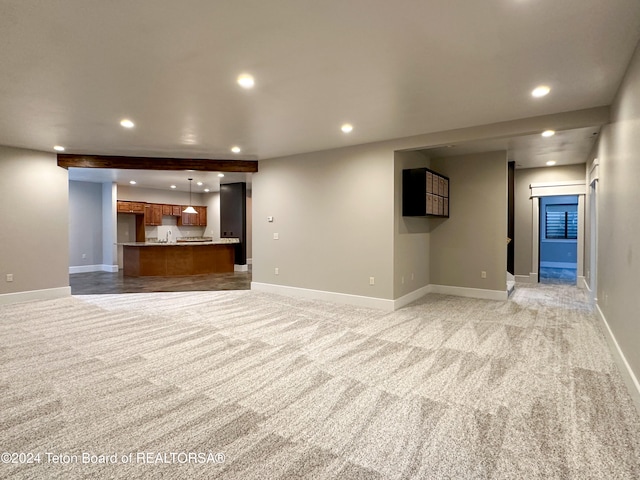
(187, 218)
(153, 214)
(202, 216)
(193, 219)
(167, 210)
(177, 210)
(130, 207)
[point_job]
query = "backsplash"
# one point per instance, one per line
(174, 232)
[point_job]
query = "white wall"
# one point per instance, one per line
(618, 200)
(85, 224)
(333, 212)
(109, 232)
(474, 238)
(411, 234)
(34, 240)
(213, 215)
(249, 232)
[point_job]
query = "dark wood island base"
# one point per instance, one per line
(171, 260)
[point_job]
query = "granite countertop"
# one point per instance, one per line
(222, 241)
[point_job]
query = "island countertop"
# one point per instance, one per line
(179, 244)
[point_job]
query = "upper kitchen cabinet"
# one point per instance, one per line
(193, 219)
(153, 214)
(202, 216)
(130, 207)
(187, 218)
(167, 210)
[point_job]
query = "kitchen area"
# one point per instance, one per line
(159, 232)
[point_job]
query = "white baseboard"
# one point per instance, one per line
(411, 297)
(310, 294)
(31, 295)
(378, 303)
(93, 268)
(470, 292)
(241, 268)
(523, 279)
(625, 368)
(249, 261)
(581, 282)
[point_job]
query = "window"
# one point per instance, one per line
(561, 222)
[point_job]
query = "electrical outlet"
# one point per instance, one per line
(412, 276)
(483, 274)
(402, 279)
(276, 236)
(9, 277)
(84, 255)
(372, 280)
(276, 271)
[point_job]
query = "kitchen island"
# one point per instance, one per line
(153, 259)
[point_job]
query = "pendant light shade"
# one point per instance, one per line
(189, 209)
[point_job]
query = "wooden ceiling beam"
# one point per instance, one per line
(67, 160)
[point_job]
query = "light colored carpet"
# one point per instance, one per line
(447, 388)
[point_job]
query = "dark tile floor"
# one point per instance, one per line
(564, 276)
(105, 282)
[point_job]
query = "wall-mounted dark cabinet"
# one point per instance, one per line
(425, 193)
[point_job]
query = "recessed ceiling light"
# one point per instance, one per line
(236, 149)
(346, 128)
(540, 91)
(126, 123)
(59, 148)
(551, 163)
(132, 182)
(221, 175)
(199, 184)
(246, 81)
(207, 190)
(548, 133)
(173, 186)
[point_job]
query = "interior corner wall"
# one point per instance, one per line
(618, 199)
(333, 214)
(109, 224)
(411, 234)
(212, 202)
(34, 239)
(474, 238)
(523, 245)
(85, 224)
(249, 232)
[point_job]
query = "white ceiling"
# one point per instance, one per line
(566, 147)
(71, 69)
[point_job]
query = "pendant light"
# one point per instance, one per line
(189, 209)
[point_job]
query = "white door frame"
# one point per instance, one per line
(552, 189)
(593, 224)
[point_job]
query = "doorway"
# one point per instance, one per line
(558, 239)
